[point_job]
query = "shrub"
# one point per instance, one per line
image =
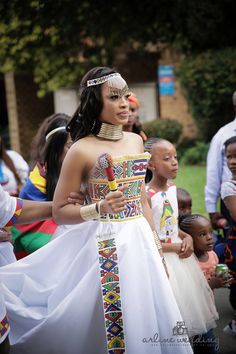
(195, 155)
(208, 82)
(164, 128)
(184, 144)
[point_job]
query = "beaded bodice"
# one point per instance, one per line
(129, 171)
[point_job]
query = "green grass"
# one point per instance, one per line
(193, 178)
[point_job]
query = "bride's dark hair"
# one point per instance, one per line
(85, 119)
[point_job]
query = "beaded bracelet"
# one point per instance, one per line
(90, 212)
(157, 240)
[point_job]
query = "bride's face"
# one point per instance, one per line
(115, 105)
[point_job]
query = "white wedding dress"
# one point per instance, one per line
(54, 296)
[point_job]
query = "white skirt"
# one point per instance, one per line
(54, 302)
(192, 292)
(4, 324)
(6, 257)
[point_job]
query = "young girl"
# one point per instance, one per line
(51, 142)
(200, 229)
(228, 195)
(101, 286)
(191, 290)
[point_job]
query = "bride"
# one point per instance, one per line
(102, 285)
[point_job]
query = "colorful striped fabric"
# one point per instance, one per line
(30, 237)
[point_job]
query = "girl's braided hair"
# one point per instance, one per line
(186, 222)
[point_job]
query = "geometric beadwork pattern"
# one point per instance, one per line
(109, 273)
(129, 171)
(18, 210)
(4, 325)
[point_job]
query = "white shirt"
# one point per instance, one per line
(217, 169)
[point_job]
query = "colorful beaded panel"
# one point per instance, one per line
(18, 210)
(129, 171)
(109, 273)
(4, 325)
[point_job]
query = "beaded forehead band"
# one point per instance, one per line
(54, 131)
(114, 80)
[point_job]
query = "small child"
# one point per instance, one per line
(200, 229)
(184, 202)
(192, 292)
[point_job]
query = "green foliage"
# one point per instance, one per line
(184, 144)
(193, 179)
(208, 81)
(164, 128)
(195, 155)
(59, 40)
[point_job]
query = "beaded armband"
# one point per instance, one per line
(157, 240)
(90, 212)
(18, 210)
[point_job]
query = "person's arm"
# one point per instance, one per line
(34, 211)
(228, 194)
(230, 203)
(213, 178)
(147, 212)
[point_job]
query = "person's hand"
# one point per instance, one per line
(186, 247)
(221, 280)
(214, 217)
(114, 202)
(76, 198)
(5, 236)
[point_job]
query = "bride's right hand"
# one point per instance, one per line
(114, 202)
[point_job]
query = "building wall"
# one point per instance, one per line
(140, 69)
(27, 112)
(175, 106)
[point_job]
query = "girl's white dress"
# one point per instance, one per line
(81, 294)
(192, 292)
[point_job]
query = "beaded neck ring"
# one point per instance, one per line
(110, 132)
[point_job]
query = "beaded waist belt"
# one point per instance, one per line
(132, 211)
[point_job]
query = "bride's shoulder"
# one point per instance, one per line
(134, 138)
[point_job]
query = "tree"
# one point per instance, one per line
(208, 80)
(59, 40)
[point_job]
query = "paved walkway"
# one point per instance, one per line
(227, 342)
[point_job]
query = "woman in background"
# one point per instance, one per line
(50, 146)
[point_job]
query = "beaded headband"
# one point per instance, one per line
(100, 80)
(54, 131)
